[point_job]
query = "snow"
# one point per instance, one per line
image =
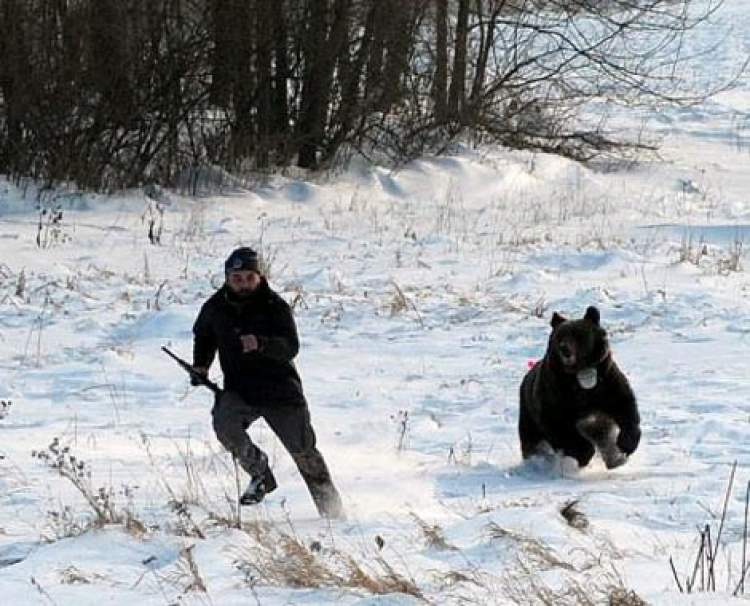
(421, 294)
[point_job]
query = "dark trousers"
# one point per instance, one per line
(232, 416)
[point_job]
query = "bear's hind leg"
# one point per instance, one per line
(532, 440)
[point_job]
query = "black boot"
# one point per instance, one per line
(258, 488)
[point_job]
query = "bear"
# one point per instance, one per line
(575, 400)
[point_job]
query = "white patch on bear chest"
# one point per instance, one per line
(587, 378)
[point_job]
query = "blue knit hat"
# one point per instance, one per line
(242, 259)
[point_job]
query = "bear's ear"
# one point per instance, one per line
(556, 320)
(592, 315)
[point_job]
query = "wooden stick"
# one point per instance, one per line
(239, 491)
(744, 540)
(698, 560)
(742, 579)
(709, 551)
(711, 571)
(674, 572)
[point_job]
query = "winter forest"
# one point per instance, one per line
(115, 93)
(486, 320)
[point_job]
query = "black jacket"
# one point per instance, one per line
(262, 377)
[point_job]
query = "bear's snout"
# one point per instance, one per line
(567, 354)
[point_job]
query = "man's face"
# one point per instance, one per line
(243, 281)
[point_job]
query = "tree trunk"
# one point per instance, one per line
(487, 39)
(14, 72)
(280, 96)
(351, 74)
(311, 106)
(374, 77)
(440, 81)
(320, 57)
(456, 92)
(398, 43)
(263, 58)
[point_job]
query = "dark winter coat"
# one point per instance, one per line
(263, 377)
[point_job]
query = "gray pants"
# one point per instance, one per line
(291, 424)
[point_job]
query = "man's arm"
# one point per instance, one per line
(283, 343)
(204, 341)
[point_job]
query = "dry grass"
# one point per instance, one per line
(400, 303)
(728, 260)
(732, 260)
(278, 557)
(625, 597)
(193, 491)
(102, 501)
(186, 574)
(526, 587)
(60, 459)
(701, 574)
(691, 251)
(433, 535)
(74, 576)
(541, 577)
(538, 578)
(401, 419)
(539, 555)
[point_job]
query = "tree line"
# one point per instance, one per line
(117, 93)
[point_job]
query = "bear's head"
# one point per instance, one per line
(578, 346)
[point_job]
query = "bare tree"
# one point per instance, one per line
(440, 81)
(550, 58)
(113, 93)
(456, 92)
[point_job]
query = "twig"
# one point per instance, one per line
(704, 558)
(408, 303)
(741, 586)
(157, 307)
(39, 334)
(42, 591)
(698, 561)
(674, 572)
(239, 494)
(709, 561)
(711, 573)
(742, 580)
(179, 507)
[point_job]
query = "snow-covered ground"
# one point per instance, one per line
(420, 297)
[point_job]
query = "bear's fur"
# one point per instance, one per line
(567, 407)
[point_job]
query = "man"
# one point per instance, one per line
(254, 332)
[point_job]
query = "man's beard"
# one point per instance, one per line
(241, 296)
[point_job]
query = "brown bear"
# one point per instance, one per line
(575, 400)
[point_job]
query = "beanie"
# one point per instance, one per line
(242, 259)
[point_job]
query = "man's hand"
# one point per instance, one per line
(201, 370)
(249, 343)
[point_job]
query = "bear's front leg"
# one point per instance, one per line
(628, 439)
(602, 431)
(579, 448)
